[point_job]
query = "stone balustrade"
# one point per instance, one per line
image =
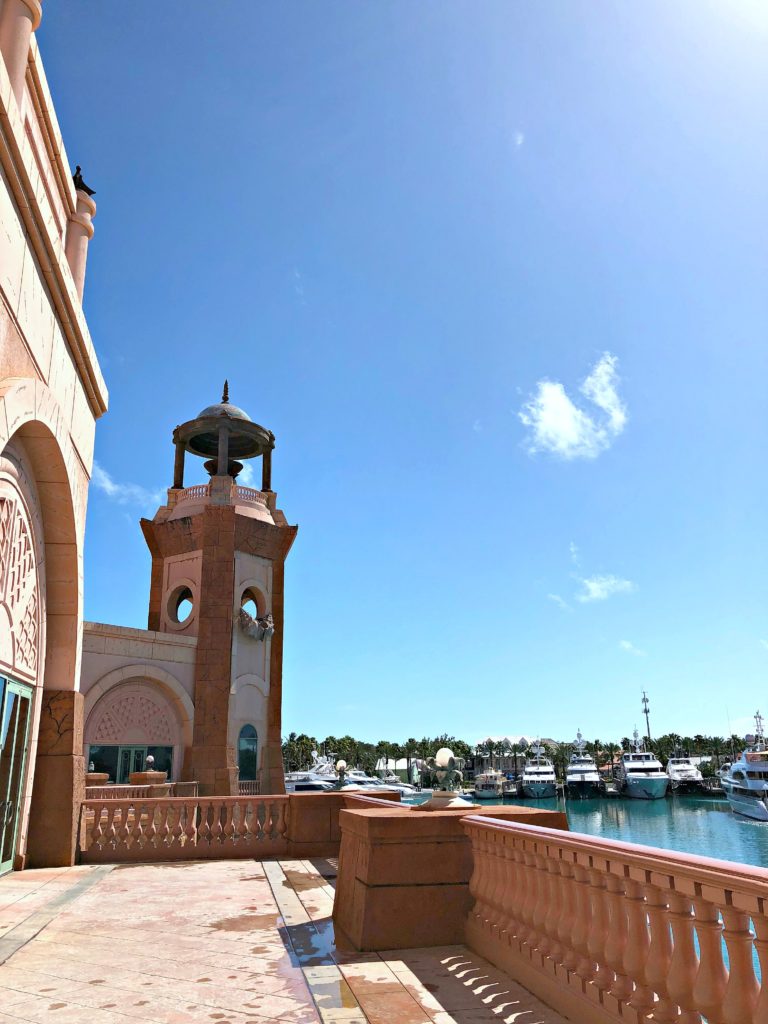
(181, 828)
(120, 791)
(606, 931)
(249, 787)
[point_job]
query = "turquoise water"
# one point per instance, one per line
(704, 826)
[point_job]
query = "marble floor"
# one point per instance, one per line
(224, 942)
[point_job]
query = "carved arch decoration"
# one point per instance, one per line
(30, 415)
(21, 605)
(138, 698)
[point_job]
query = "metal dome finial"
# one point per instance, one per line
(225, 392)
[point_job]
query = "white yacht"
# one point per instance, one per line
(746, 781)
(539, 779)
(489, 785)
(684, 776)
(641, 774)
(306, 782)
(582, 778)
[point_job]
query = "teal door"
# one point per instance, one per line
(15, 710)
(131, 759)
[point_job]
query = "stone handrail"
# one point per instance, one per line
(123, 791)
(249, 494)
(179, 828)
(606, 931)
(195, 491)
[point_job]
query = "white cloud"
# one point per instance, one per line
(575, 557)
(629, 647)
(598, 588)
(519, 139)
(559, 602)
(477, 426)
(560, 427)
(245, 476)
(123, 494)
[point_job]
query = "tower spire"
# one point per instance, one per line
(225, 392)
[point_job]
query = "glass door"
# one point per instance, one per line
(15, 709)
(131, 759)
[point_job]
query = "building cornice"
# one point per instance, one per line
(29, 191)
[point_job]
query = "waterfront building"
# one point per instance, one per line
(51, 394)
(200, 688)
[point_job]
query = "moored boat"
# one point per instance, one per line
(641, 774)
(582, 779)
(746, 781)
(489, 785)
(539, 780)
(684, 776)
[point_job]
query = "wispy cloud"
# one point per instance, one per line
(556, 599)
(599, 588)
(245, 476)
(518, 138)
(298, 287)
(575, 556)
(477, 426)
(123, 493)
(558, 426)
(629, 647)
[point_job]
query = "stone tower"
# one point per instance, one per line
(218, 553)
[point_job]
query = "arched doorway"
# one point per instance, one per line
(248, 753)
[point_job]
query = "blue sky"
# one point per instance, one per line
(494, 274)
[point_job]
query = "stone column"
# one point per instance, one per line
(178, 466)
(266, 470)
(18, 20)
(222, 462)
(272, 775)
(59, 784)
(79, 234)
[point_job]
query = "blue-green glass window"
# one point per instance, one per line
(247, 752)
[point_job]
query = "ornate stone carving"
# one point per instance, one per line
(260, 629)
(128, 712)
(19, 583)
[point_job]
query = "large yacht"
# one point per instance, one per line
(582, 778)
(539, 779)
(641, 774)
(684, 776)
(489, 785)
(746, 781)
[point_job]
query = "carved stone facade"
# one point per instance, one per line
(51, 393)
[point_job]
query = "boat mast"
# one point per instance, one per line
(647, 720)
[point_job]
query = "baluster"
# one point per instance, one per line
(685, 962)
(260, 816)
(178, 827)
(510, 922)
(584, 966)
(659, 954)
(232, 808)
(638, 942)
(597, 936)
(529, 937)
(97, 832)
(282, 821)
(517, 908)
(243, 829)
(481, 882)
(191, 822)
(541, 906)
(204, 822)
(477, 870)
(164, 831)
(568, 918)
(712, 976)
(741, 992)
(497, 883)
(137, 832)
(217, 822)
(615, 888)
(555, 899)
(760, 922)
(124, 833)
(152, 812)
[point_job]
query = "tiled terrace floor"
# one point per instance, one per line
(226, 942)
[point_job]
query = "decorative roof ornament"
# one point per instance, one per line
(225, 392)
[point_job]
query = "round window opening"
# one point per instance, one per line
(181, 605)
(248, 604)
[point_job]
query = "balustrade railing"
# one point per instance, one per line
(124, 791)
(178, 828)
(249, 787)
(606, 931)
(249, 494)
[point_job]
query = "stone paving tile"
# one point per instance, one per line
(233, 942)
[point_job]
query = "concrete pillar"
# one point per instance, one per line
(79, 234)
(178, 466)
(266, 470)
(223, 459)
(18, 20)
(59, 783)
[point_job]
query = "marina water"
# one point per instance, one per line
(702, 825)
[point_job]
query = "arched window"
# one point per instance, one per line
(247, 752)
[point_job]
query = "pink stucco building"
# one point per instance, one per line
(51, 394)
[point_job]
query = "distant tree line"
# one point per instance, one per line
(501, 754)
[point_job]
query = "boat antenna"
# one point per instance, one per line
(646, 703)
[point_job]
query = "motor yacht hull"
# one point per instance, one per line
(539, 790)
(583, 789)
(648, 787)
(487, 794)
(749, 806)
